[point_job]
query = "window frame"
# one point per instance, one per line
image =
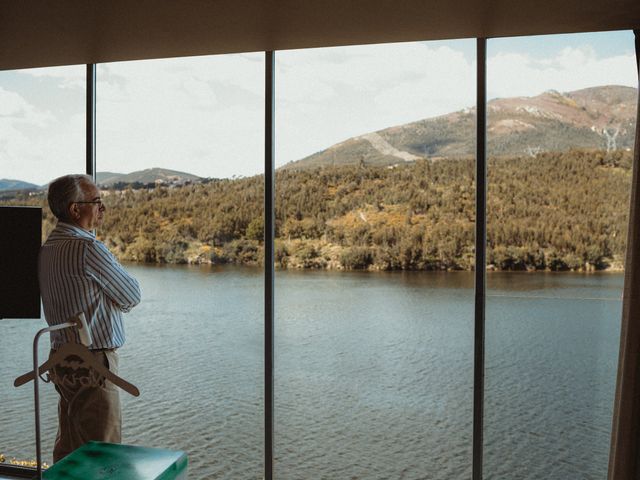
(269, 242)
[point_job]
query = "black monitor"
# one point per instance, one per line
(20, 240)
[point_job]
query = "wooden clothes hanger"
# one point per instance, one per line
(75, 349)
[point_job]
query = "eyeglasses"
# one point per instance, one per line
(94, 202)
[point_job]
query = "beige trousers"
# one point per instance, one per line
(88, 408)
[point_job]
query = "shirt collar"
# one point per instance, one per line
(73, 230)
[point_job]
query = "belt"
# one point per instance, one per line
(110, 349)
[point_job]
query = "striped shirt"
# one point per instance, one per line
(77, 273)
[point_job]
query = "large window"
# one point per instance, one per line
(180, 147)
(560, 137)
(374, 244)
(374, 249)
(41, 137)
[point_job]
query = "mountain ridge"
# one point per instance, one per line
(593, 118)
(146, 176)
(110, 179)
(600, 117)
(10, 184)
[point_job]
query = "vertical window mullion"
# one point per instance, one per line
(91, 120)
(269, 273)
(480, 253)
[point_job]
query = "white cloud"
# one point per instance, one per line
(34, 145)
(11, 104)
(53, 154)
(15, 110)
(570, 69)
(178, 114)
(67, 76)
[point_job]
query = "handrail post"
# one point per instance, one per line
(36, 389)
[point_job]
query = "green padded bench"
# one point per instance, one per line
(112, 461)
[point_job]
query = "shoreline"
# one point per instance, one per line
(322, 255)
(491, 269)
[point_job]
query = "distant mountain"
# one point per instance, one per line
(6, 184)
(107, 178)
(599, 117)
(150, 175)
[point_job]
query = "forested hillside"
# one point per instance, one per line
(554, 212)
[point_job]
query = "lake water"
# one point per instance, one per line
(374, 374)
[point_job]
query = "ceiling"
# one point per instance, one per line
(35, 33)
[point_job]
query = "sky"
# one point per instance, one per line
(205, 115)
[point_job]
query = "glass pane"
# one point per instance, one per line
(374, 294)
(180, 147)
(42, 136)
(561, 130)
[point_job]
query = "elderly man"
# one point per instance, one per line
(78, 274)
